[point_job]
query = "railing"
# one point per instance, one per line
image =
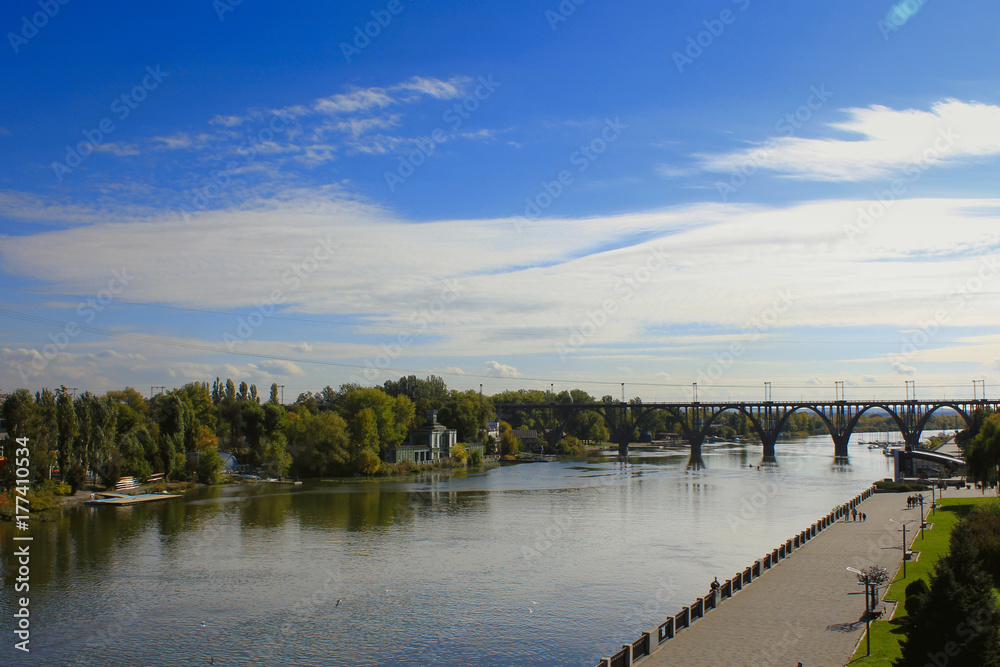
(640, 647)
(667, 630)
(697, 610)
(620, 659)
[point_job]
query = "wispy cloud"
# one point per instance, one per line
(951, 131)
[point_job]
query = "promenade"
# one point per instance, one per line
(807, 608)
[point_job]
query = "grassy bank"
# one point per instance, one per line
(886, 636)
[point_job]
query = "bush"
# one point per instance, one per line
(571, 446)
(63, 489)
(209, 466)
(75, 476)
(110, 473)
(476, 457)
(888, 485)
(916, 592)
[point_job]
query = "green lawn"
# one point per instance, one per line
(887, 635)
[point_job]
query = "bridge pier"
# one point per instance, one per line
(840, 445)
(769, 441)
(623, 448)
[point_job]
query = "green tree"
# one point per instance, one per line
(983, 453)
(209, 466)
(959, 613)
(385, 409)
(510, 444)
(364, 442)
(318, 442)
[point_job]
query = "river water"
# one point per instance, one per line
(532, 564)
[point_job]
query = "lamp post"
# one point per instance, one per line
(903, 524)
(921, 497)
(870, 578)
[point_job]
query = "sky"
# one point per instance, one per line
(548, 194)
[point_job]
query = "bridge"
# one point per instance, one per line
(767, 418)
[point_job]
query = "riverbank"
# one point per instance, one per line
(808, 608)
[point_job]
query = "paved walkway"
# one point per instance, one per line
(807, 608)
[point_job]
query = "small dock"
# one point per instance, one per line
(122, 499)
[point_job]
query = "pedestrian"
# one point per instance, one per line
(715, 584)
(854, 514)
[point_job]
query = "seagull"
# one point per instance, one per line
(338, 602)
(204, 624)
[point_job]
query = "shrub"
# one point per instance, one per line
(75, 476)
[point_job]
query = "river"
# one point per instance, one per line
(531, 564)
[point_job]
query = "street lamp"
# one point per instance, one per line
(870, 578)
(921, 497)
(903, 524)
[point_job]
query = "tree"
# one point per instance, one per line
(509, 443)
(364, 442)
(385, 409)
(983, 453)
(274, 393)
(68, 427)
(959, 619)
(209, 466)
(588, 426)
(318, 442)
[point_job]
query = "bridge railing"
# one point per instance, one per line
(652, 640)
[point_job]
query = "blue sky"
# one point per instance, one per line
(514, 194)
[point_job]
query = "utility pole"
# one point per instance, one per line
(282, 388)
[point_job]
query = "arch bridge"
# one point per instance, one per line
(767, 418)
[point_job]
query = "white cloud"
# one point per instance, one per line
(496, 369)
(119, 150)
(892, 141)
(902, 369)
(280, 367)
